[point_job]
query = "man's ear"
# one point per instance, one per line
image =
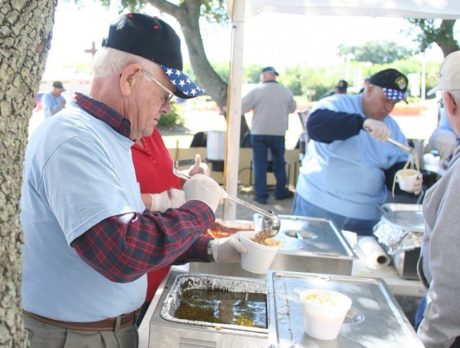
(449, 103)
(368, 90)
(128, 78)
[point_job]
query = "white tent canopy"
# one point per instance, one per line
(447, 9)
(241, 9)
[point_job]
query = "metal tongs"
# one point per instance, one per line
(270, 222)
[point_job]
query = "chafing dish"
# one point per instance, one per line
(167, 330)
(374, 320)
(307, 245)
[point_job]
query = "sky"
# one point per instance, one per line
(280, 40)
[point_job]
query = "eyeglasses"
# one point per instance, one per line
(166, 97)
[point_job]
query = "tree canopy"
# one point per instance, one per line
(441, 32)
(376, 52)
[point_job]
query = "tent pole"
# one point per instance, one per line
(232, 154)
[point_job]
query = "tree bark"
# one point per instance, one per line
(25, 34)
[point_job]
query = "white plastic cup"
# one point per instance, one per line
(406, 179)
(324, 312)
(259, 257)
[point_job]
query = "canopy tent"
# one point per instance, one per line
(239, 10)
(447, 9)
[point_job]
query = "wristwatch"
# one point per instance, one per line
(209, 252)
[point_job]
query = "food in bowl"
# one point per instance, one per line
(263, 238)
(322, 298)
(266, 241)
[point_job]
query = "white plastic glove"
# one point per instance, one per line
(226, 250)
(172, 198)
(377, 129)
(199, 167)
(443, 141)
(205, 189)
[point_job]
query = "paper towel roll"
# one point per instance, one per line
(374, 255)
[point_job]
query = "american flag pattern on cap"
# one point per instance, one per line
(185, 87)
(393, 94)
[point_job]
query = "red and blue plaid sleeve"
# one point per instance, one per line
(123, 251)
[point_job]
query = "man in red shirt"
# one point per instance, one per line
(160, 189)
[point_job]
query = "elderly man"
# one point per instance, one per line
(89, 239)
(271, 103)
(349, 166)
(440, 326)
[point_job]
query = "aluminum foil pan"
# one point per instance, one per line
(405, 216)
(207, 281)
(401, 227)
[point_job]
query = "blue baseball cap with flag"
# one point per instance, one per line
(153, 39)
(394, 83)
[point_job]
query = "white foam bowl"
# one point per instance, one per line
(324, 312)
(406, 178)
(259, 257)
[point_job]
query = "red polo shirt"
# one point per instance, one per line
(153, 166)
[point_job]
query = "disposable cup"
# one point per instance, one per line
(259, 257)
(324, 312)
(406, 178)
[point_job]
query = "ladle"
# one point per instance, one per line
(270, 222)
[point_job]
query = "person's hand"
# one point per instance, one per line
(377, 129)
(205, 189)
(417, 187)
(444, 142)
(199, 167)
(172, 198)
(226, 250)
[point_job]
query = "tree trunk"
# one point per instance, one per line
(445, 38)
(25, 33)
(188, 16)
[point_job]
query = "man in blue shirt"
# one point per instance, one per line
(271, 103)
(53, 102)
(345, 175)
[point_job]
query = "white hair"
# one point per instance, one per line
(109, 61)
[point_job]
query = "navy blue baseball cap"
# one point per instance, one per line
(393, 83)
(270, 69)
(155, 40)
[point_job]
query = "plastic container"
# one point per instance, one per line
(215, 145)
(324, 312)
(259, 257)
(406, 179)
